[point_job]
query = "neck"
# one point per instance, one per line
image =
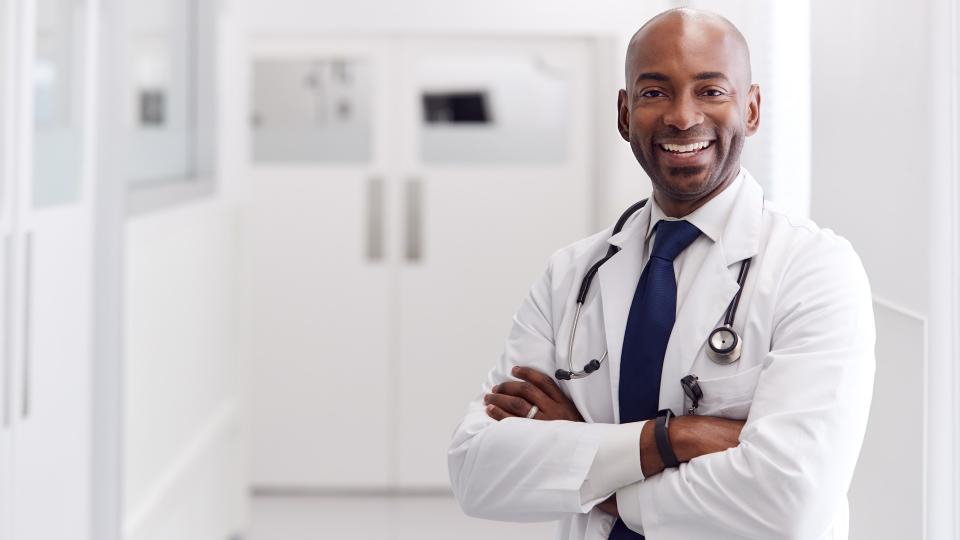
(679, 208)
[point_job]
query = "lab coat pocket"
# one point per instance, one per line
(729, 396)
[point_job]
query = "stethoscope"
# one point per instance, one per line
(724, 342)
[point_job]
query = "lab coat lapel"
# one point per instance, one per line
(618, 282)
(711, 291)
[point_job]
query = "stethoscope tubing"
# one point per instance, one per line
(718, 356)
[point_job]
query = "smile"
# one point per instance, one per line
(685, 148)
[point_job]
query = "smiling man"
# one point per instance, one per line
(715, 381)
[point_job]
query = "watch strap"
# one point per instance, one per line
(663, 439)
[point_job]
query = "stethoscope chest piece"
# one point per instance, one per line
(724, 345)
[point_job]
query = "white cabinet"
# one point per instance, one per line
(406, 193)
(6, 263)
(45, 241)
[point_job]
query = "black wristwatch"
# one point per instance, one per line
(663, 439)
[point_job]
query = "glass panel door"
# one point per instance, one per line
(57, 102)
(321, 267)
(497, 178)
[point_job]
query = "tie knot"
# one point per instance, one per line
(672, 238)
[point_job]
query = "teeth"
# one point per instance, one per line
(685, 147)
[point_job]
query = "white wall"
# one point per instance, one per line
(184, 441)
(884, 154)
(184, 475)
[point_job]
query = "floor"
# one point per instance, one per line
(376, 517)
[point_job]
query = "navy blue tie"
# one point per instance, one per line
(652, 314)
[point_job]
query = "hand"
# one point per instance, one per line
(515, 398)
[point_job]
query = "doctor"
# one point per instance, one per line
(766, 443)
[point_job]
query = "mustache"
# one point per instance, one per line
(674, 133)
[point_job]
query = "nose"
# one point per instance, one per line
(683, 114)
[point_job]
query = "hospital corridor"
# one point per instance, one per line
(266, 267)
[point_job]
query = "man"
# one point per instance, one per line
(769, 450)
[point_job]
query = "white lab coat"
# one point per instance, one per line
(803, 384)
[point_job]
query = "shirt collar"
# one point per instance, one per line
(711, 218)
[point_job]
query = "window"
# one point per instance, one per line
(311, 110)
(169, 107)
(57, 102)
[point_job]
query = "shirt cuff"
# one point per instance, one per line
(629, 507)
(615, 465)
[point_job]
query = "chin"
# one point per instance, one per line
(686, 183)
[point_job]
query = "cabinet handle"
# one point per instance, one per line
(27, 308)
(413, 250)
(375, 219)
(7, 346)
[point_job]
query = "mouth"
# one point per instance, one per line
(692, 153)
(689, 148)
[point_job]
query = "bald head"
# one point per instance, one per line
(682, 30)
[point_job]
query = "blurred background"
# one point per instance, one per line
(256, 256)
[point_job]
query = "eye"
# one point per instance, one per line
(714, 92)
(652, 94)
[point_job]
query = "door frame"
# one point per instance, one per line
(108, 196)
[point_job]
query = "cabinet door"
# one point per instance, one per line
(7, 47)
(53, 304)
(496, 150)
(319, 267)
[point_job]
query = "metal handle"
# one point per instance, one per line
(7, 347)
(413, 250)
(27, 305)
(375, 219)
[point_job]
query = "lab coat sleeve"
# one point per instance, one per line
(519, 469)
(799, 446)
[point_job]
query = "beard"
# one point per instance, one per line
(695, 181)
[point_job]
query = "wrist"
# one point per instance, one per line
(650, 462)
(662, 436)
(679, 428)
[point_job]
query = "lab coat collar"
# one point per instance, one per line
(711, 292)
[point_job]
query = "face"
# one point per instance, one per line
(688, 107)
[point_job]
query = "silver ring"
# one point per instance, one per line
(533, 411)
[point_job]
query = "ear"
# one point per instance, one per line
(623, 115)
(753, 109)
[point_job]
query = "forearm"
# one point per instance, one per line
(522, 470)
(690, 437)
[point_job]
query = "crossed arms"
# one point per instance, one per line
(690, 436)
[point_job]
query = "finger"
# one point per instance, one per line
(525, 390)
(497, 413)
(542, 381)
(513, 405)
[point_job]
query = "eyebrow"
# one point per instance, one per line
(706, 75)
(653, 76)
(702, 76)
